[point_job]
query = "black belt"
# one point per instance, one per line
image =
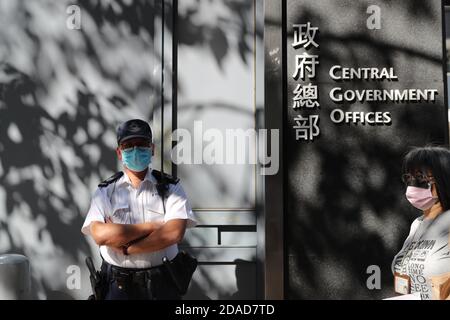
(133, 275)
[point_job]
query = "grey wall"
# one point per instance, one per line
(346, 208)
(62, 94)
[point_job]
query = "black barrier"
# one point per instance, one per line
(246, 310)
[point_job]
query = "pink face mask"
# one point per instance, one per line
(420, 198)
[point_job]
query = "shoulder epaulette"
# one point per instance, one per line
(163, 181)
(111, 179)
(167, 177)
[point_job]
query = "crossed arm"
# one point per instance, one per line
(141, 238)
(168, 234)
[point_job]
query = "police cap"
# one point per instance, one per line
(134, 128)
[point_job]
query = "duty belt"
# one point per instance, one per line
(125, 276)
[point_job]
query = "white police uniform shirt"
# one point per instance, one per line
(129, 205)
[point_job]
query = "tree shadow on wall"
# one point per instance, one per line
(62, 94)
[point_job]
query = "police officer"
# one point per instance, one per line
(137, 217)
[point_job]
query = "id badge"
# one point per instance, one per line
(402, 283)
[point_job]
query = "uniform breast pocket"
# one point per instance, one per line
(154, 214)
(121, 213)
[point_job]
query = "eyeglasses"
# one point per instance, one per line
(131, 145)
(419, 179)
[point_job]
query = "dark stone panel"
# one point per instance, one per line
(345, 204)
(410, 37)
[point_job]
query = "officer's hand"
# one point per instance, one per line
(108, 220)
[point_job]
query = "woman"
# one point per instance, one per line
(423, 263)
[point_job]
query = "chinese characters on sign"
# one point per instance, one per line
(306, 128)
(305, 95)
(305, 90)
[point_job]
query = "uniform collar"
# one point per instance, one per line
(148, 177)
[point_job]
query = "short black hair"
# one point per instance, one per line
(437, 160)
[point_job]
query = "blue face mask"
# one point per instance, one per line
(137, 158)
